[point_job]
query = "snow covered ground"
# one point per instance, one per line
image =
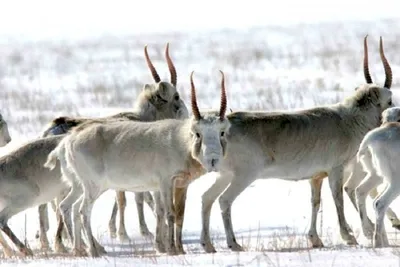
(266, 67)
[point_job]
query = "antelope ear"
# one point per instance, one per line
(375, 94)
(165, 90)
(147, 88)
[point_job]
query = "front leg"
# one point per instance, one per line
(335, 179)
(112, 228)
(166, 192)
(160, 230)
(208, 199)
(239, 183)
(179, 206)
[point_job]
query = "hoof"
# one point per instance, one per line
(315, 241)
(368, 234)
(160, 248)
(172, 250)
(101, 250)
(26, 252)
(147, 234)
(45, 248)
(94, 253)
(208, 247)
(349, 228)
(60, 248)
(180, 250)
(64, 235)
(113, 235)
(235, 247)
(113, 231)
(123, 237)
(172, 253)
(9, 253)
(377, 244)
(317, 244)
(396, 226)
(79, 252)
(352, 241)
(368, 230)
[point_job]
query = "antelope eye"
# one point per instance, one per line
(176, 97)
(197, 135)
(222, 134)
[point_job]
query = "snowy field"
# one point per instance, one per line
(266, 67)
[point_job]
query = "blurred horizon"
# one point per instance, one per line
(45, 19)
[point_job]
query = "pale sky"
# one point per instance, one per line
(73, 18)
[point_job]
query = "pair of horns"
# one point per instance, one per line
(386, 66)
(153, 70)
(195, 107)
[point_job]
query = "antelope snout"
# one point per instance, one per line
(5, 141)
(212, 164)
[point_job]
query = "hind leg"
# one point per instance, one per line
(144, 230)
(390, 214)
(21, 247)
(58, 244)
(8, 251)
(335, 179)
(381, 204)
(148, 198)
(43, 227)
(122, 234)
(370, 182)
(91, 193)
(112, 228)
(316, 185)
(20, 201)
(56, 209)
(353, 181)
(69, 208)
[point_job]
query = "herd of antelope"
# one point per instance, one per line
(158, 149)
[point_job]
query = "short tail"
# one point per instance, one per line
(53, 156)
(364, 147)
(51, 159)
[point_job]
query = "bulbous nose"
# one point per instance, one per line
(213, 164)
